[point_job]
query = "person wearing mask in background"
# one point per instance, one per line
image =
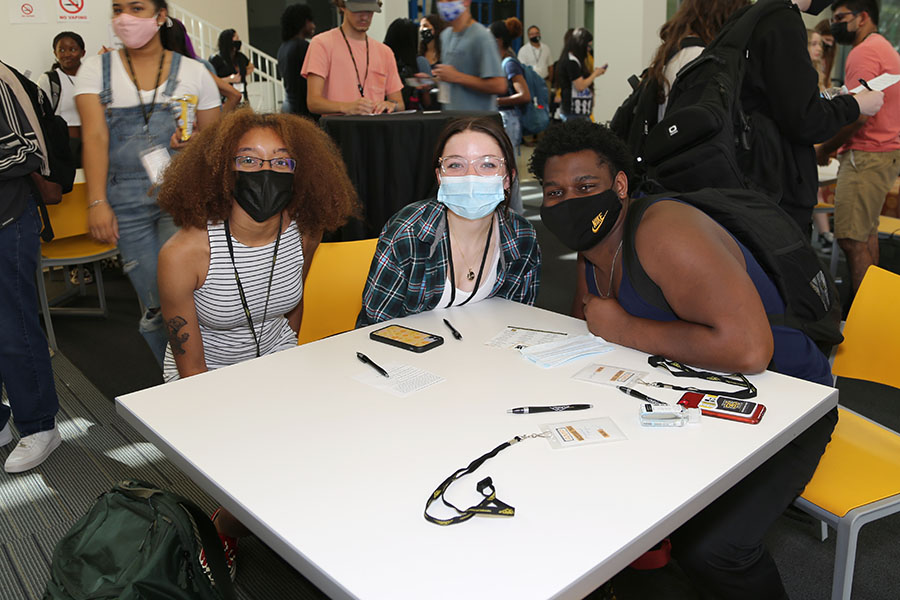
(231, 64)
(402, 37)
(347, 72)
(469, 76)
(781, 85)
(575, 81)
(537, 55)
(430, 28)
(59, 85)
(868, 148)
(297, 28)
(179, 41)
(25, 369)
(128, 128)
(693, 26)
(463, 246)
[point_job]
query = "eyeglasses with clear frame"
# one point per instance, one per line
(840, 17)
(457, 166)
(252, 163)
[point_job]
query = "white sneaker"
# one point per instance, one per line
(5, 435)
(32, 450)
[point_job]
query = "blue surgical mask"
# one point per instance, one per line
(451, 11)
(471, 196)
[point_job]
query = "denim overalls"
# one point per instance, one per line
(143, 226)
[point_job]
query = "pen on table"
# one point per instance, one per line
(524, 410)
(453, 330)
(362, 357)
(636, 394)
(865, 84)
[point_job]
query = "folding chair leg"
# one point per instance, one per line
(844, 559)
(835, 250)
(45, 307)
(98, 277)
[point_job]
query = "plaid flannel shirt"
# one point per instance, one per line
(409, 270)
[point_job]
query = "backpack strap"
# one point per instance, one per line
(645, 288)
(55, 88)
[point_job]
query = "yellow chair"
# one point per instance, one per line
(858, 479)
(72, 245)
(332, 295)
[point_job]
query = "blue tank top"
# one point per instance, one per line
(795, 353)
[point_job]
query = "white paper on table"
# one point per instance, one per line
(880, 83)
(403, 381)
(569, 434)
(517, 338)
(556, 353)
(609, 375)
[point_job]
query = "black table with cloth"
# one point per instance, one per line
(389, 160)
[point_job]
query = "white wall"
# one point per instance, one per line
(626, 34)
(27, 46)
(553, 19)
(224, 14)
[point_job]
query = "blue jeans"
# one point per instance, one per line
(143, 229)
(24, 358)
(512, 124)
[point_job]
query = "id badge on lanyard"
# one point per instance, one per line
(155, 160)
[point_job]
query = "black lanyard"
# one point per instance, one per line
(359, 84)
(146, 114)
(487, 246)
(237, 278)
(490, 505)
(682, 370)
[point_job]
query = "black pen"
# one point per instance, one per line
(456, 334)
(524, 410)
(636, 394)
(865, 84)
(362, 357)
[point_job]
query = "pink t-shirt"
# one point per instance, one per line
(328, 58)
(871, 58)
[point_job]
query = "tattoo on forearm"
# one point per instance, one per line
(176, 340)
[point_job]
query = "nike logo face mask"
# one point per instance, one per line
(582, 223)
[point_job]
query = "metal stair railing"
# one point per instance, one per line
(264, 87)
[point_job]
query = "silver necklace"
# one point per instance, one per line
(612, 271)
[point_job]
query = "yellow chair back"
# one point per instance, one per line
(70, 217)
(332, 295)
(871, 343)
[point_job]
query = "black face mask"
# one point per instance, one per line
(817, 6)
(237, 46)
(263, 194)
(582, 223)
(536, 39)
(841, 34)
(427, 36)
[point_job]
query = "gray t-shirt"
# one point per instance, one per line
(472, 51)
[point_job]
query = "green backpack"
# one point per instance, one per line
(139, 542)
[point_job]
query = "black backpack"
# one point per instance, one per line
(56, 136)
(139, 543)
(639, 113)
(811, 300)
(705, 138)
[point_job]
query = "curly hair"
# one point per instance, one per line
(199, 182)
(575, 136)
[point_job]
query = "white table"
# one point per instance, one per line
(333, 474)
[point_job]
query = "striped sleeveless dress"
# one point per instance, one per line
(227, 338)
